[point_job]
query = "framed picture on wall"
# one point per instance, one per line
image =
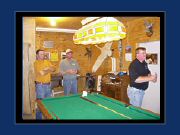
(63, 55)
(54, 56)
(128, 49)
(47, 55)
(152, 58)
(48, 44)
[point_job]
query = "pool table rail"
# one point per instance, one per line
(44, 111)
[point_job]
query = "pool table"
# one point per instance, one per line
(92, 107)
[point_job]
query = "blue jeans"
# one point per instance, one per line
(42, 91)
(70, 85)
(135, 96)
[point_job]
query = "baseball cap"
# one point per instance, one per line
(68, 51)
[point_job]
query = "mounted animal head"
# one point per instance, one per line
(149, 28)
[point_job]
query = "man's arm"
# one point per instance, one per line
(69, 71)
(140, 79)
(148, 78)
(47, 70)
(50, 69)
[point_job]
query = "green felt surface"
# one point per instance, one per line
(74, 107)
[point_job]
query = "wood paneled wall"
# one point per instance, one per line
(62, 41)
(135, 34)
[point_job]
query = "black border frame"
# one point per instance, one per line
(19, 65)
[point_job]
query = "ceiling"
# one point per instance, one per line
(70, 22)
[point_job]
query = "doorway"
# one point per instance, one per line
(151, 99)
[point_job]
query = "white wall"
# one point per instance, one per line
(151, 99)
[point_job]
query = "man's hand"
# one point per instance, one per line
(46, 69)
(71, 71)
(52, 69)
(154, 78)
(42, 72)
(74, 71)
(147, 78)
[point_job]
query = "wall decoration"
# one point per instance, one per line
(48, 44)
(54, 56)
(63, 55)
(128, 49)
(47, 55)
(88, 52)
(128, 53)
(128, 56)
(105, 52)
(151, 58)
(120, 48)
(149, 28)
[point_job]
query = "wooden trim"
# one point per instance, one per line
(128, 104)
(146, 110)
(44, 111)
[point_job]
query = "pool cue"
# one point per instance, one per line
(106, 108)
(55, 115)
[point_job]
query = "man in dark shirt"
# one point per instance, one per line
(139, 77)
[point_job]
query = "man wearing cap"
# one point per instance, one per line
(69, 69)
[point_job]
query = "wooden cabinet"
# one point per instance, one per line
(117, 90)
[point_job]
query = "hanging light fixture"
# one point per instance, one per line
(97, 30)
